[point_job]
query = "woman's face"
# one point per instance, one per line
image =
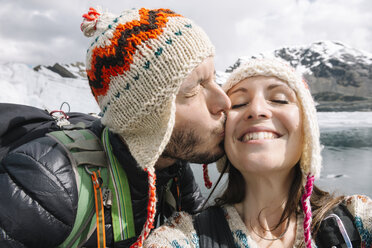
(263, 129)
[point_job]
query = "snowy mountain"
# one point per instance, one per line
(340, 77)
(47, 87)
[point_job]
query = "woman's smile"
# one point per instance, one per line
(258, 133)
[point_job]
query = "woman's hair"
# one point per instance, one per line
(321, 201)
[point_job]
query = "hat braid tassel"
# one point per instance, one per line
(305, 200)
(151, 209)
(207, 181)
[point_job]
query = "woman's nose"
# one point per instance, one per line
(258, 109)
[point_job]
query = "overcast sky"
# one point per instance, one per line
(48, 31)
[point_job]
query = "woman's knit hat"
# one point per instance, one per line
(310, 162)
(136, 64)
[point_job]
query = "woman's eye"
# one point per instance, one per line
(280, 101)
(235, 106)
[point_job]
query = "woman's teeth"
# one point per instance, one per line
(259, 136)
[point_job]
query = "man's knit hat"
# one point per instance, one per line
(136, 64)
(310, 162)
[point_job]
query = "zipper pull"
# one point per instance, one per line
(107, 197)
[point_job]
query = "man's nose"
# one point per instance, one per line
(257, 109)
(218, 101)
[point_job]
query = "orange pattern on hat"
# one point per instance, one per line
(115, 59)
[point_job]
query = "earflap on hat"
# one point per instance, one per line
(147, 146)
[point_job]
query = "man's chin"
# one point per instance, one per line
(207, 157)
(186, 145)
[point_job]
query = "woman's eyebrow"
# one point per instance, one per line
(240, 89)
(285, 87)
(273, 86)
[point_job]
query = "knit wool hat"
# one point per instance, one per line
(135, 66)
(310, 161)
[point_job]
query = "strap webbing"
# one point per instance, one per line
(100, 214)
(87, 204)
(85, 145)
(91, 158)
(121, 210)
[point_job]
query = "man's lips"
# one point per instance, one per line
(220, 133)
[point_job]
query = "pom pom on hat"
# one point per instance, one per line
(89, 24)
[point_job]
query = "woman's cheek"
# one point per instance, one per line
(231, 120)
(230, 126)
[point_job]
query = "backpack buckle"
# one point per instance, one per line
(61, 117)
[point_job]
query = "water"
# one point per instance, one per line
(347, 155)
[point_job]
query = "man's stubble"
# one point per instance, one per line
(186, 145)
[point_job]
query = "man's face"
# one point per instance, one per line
(199, 129)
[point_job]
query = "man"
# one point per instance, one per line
(152, 74)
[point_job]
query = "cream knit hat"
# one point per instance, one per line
(311, 159)
(135, 66)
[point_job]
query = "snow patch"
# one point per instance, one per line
(44, 89)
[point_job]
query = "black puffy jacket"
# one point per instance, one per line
(38, 193)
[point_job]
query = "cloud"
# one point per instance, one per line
(304, 22)
(39, 33)
(45, 32)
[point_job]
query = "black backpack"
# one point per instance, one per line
(330, 233)
(20, 124)
(214, 231)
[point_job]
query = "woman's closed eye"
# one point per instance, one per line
(235, 106)
(280, 101)
(277, 101)
(281, 96)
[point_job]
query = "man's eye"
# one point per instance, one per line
(280, 101)
(235, 106)
(193, 92)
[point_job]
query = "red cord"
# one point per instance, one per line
(207, 181)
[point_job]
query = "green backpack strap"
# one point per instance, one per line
(86, 155)
(88, 161)
(121, 209)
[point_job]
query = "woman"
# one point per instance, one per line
(273, 151)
